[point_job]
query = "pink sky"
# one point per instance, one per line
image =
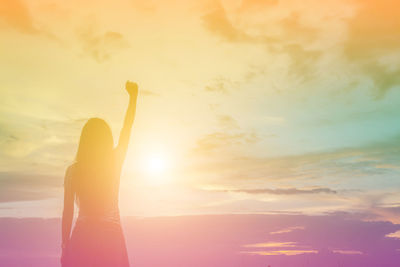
(222, 240)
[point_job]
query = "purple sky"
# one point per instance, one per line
(221, 240)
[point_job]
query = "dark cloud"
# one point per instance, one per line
(285, 191)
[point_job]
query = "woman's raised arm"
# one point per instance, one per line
(122, 147)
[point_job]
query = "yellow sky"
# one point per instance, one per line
(236, 96)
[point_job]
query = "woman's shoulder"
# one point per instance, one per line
(71, 167)
(70, 172)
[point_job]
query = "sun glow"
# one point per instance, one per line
(155, 165)
(156, 168)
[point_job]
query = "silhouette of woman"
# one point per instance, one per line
(93, 183)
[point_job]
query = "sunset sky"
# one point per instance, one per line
(244, 106)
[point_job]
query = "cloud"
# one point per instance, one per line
(148, 93)
(288, 35)
(295, 30)
(291, 252)
(255, 5)
(225, 86)
(303, 61)
(218, 86)
(382, 212)
(333, 180)
(227, 122)
(347, 252)
(222, 140)
(354, 163)
(148, 7)
(15, 186)
(16, 147)
(373, 35)
(271, 244)
(284, 191)
(101, 46)
(394, 235)
(17, 16)
(287, 230)
(218, 23)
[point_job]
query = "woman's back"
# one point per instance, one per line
(96, 188)
(97, 238)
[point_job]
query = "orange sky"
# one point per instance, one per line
(253, 106)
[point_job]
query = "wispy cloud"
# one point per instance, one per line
(101, 46)
(24, 187)
(148, 93)
(373, 35)
(284, 191)
(293, 252)
(228, 122)
(287, 230)
(347, 252)
(217, 22)
(221, 140)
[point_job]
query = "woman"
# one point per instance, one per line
(93, 183)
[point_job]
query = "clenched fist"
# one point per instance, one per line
(132, 88)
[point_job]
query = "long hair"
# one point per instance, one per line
(93, 158)
(96, 142)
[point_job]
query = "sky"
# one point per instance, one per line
(266, 133)
(221, 240)
(244, 107)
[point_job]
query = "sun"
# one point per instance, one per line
(155, 165)
(156, 168)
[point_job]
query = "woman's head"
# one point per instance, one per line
(94, 163)
(96, 142)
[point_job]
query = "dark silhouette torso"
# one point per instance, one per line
(97, 238)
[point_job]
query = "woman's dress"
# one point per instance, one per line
(97, 239)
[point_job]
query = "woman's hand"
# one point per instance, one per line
(132, 88)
